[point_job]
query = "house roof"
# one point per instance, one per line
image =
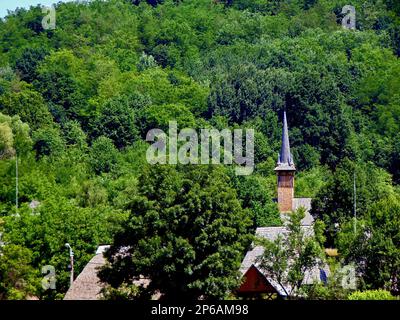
(87, 285)
(271, 233)
(302, 202)
(305, 203)
(308, 220)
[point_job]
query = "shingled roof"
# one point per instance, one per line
(87, 285)
(271, 233)
(305, 203)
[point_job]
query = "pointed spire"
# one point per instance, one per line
(284, 156)
(285, 159)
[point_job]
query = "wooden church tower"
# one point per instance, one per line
(285, 172)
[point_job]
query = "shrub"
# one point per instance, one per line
(371, 295)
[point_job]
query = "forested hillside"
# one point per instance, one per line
(76, 103)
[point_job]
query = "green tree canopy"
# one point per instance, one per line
(187, 233)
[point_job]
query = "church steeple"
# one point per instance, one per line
(285, 172)
(285, 160)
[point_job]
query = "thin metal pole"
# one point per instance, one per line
(71, 259)
(72, 270)
(355, 203)
(16, 184)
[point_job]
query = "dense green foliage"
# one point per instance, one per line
(187, 232)
(76, 103)
(371, 295)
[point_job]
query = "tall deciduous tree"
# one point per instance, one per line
(334, 203)
(28, 105)
(14, 137)
(117, 120)
(186, 233)
(374, 244)
(18, 279)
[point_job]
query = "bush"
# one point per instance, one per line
(371, 295)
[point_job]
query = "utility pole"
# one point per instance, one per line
(16, 184)
(355, 203)
(71, 257)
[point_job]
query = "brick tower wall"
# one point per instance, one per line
(285, 191)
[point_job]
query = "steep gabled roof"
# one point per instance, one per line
(253, 256)
(87, 286)
(305, 203)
